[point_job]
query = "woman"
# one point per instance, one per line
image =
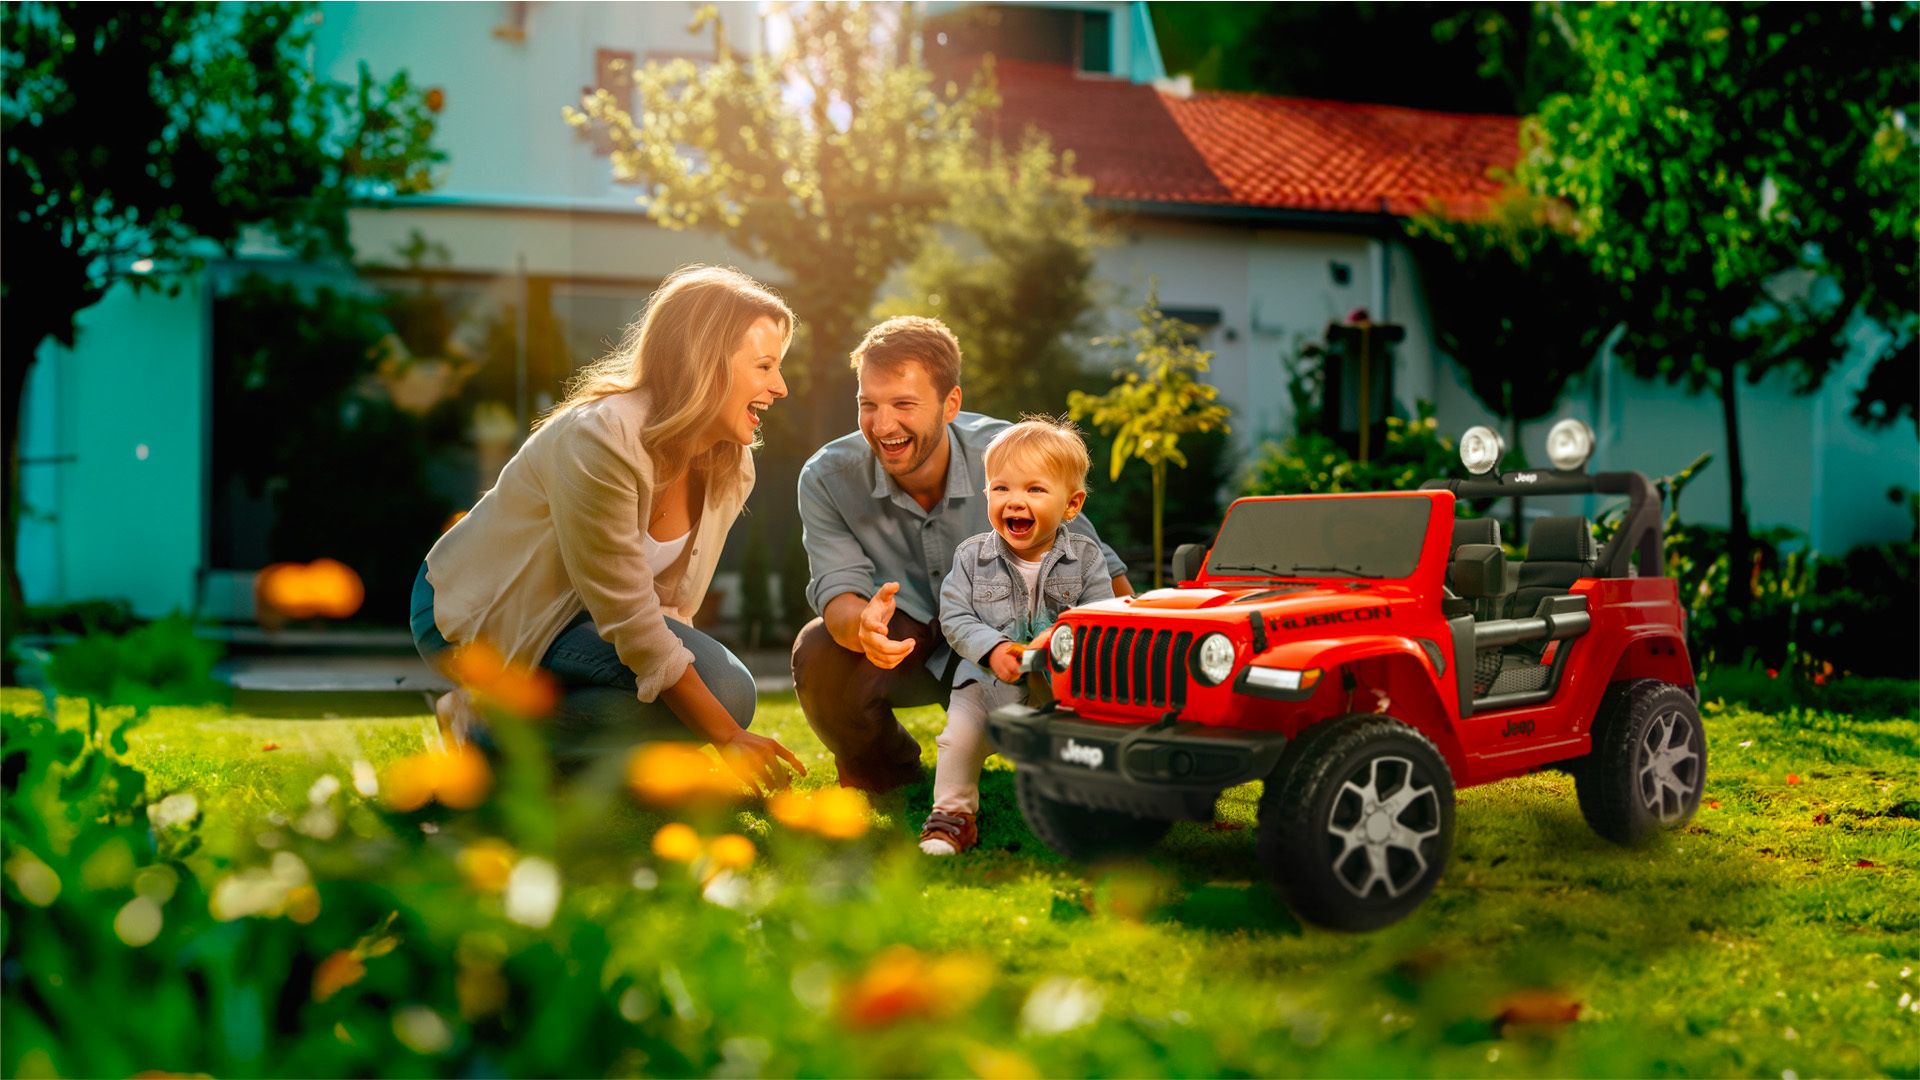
(594, 549)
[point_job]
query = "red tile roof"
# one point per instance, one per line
(1249, 150)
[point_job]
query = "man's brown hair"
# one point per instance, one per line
(906, 339)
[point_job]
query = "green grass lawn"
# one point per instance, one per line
(1779, 934)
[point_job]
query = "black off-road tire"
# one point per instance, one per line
(1629, 787)
(1339, 779)
(1079, 833)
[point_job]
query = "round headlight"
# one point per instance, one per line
(1569, 444)
(1060, 647)
(1480, 449)
(1213, 660)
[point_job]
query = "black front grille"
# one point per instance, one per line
(1130, 666)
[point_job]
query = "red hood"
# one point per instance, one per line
(1209, 598)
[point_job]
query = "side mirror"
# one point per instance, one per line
(1187, 561)
(1478, 570)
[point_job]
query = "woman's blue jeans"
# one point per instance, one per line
(598, 714)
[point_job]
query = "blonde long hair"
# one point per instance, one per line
(680, 352)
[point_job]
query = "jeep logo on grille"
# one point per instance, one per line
(1076, 754)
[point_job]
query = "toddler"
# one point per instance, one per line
(1005, 587)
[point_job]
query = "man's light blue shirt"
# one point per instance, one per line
(862, 530)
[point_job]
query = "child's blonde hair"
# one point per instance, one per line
(1053, 442)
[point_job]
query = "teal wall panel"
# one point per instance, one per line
(123, 498)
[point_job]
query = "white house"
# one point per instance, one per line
(1262, 218)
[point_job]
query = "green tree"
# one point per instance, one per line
(1747, 174)
(1012, 276)
(1157, 398)
(1516, 304)
(141, 138)
(828, 158)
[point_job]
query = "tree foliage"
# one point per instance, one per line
(1746, 173)
(1012, 276)
(827, 158)
(141, 138)
(1516, 304)
(1157, 399)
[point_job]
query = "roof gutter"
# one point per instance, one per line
(1379, 222)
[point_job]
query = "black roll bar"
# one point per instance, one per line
(1640, 531)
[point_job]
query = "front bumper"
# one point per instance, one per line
(1165, 770)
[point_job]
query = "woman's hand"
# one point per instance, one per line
(756, 760)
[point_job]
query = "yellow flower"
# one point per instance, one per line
(900, 984)
(458, 778)
(676, 773)
(792, 808)
(336, 973)
(841, 813)
(730, 852)
(515, 689)
(677, 842)
(303, 904)
(485, 865)
(990, 1063)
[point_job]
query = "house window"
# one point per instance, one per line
(1081, 40)
(1203, 321)
(1096, 42)
(612, 72)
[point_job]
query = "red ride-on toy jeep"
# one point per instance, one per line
(1365, 655)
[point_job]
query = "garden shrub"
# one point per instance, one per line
(1308, 462)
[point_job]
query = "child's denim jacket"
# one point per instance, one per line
(984, 601)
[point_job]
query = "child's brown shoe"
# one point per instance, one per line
(949, 833)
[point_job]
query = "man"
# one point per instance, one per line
(883, 510)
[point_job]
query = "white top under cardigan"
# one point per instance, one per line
(565, 528)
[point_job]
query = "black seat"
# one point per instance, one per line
(1483, 530)
(1560, 551)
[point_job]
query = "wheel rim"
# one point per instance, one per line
(1667, 767)
(1386, 818)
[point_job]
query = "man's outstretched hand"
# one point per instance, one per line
(881, 650)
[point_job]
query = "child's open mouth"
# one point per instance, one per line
(1018, 528)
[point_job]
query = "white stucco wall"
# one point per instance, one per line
(502, 125)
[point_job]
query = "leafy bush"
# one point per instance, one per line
(163, 662)
(1309, 462)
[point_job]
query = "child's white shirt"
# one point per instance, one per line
(1030, 575)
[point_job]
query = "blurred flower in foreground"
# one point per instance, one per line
(677, 773)
(677, 842)
(900, 984)
(138, 922)
(325, 588)
(1061, 1004)
(269, 890)
(422, 1030)
(731, 852)
(458, 778)
(486, 865)
(533, 892)
(39, 885)
(836, 813)
(336, 973)
(992, 1063)
(515, 689)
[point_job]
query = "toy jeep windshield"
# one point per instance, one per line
(1366, 655)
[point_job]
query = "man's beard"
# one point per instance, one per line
(920, 447)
